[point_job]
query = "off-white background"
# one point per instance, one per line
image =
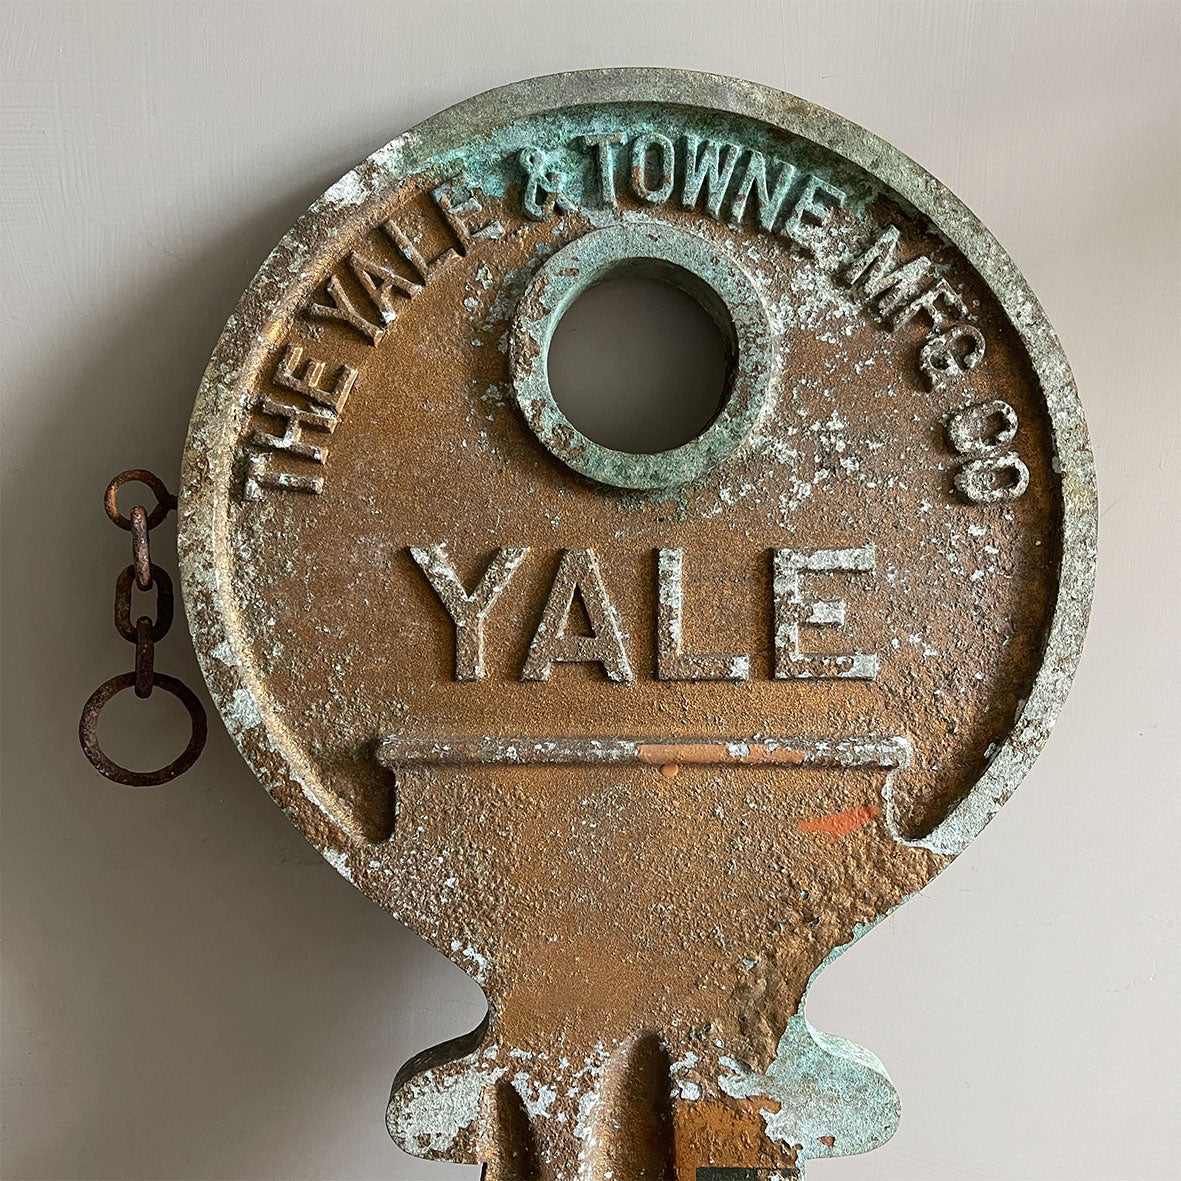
(189, 992)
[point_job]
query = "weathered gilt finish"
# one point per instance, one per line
(642, 742)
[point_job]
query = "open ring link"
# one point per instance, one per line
(88, 731)
(165, 501)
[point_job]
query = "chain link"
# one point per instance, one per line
(145, 633)
(156, 578)
(141, 554)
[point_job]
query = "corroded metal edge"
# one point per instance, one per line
(289, 272)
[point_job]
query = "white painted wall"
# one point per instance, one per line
(189, 992)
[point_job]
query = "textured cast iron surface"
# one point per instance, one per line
(640, 742)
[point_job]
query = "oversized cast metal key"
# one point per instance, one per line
(639, 741)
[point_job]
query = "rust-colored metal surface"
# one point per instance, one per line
(639, 741)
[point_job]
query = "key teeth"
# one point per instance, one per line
(435, 1099)
(834, 1097)
(633, 1131)
(506, 1140)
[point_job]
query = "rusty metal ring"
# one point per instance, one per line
(88, 731)
(164, 604)
(165, 501)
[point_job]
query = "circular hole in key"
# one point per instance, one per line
(638, 365)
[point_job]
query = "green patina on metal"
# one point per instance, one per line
(491, 162)
(647, 249)
(832, 1096)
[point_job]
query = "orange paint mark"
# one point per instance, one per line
(841, 824)
(669, 770)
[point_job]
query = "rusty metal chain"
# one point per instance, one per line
(143, 574)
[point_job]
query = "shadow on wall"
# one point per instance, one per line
(192, 990)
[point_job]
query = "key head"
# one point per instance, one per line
(641, 741)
